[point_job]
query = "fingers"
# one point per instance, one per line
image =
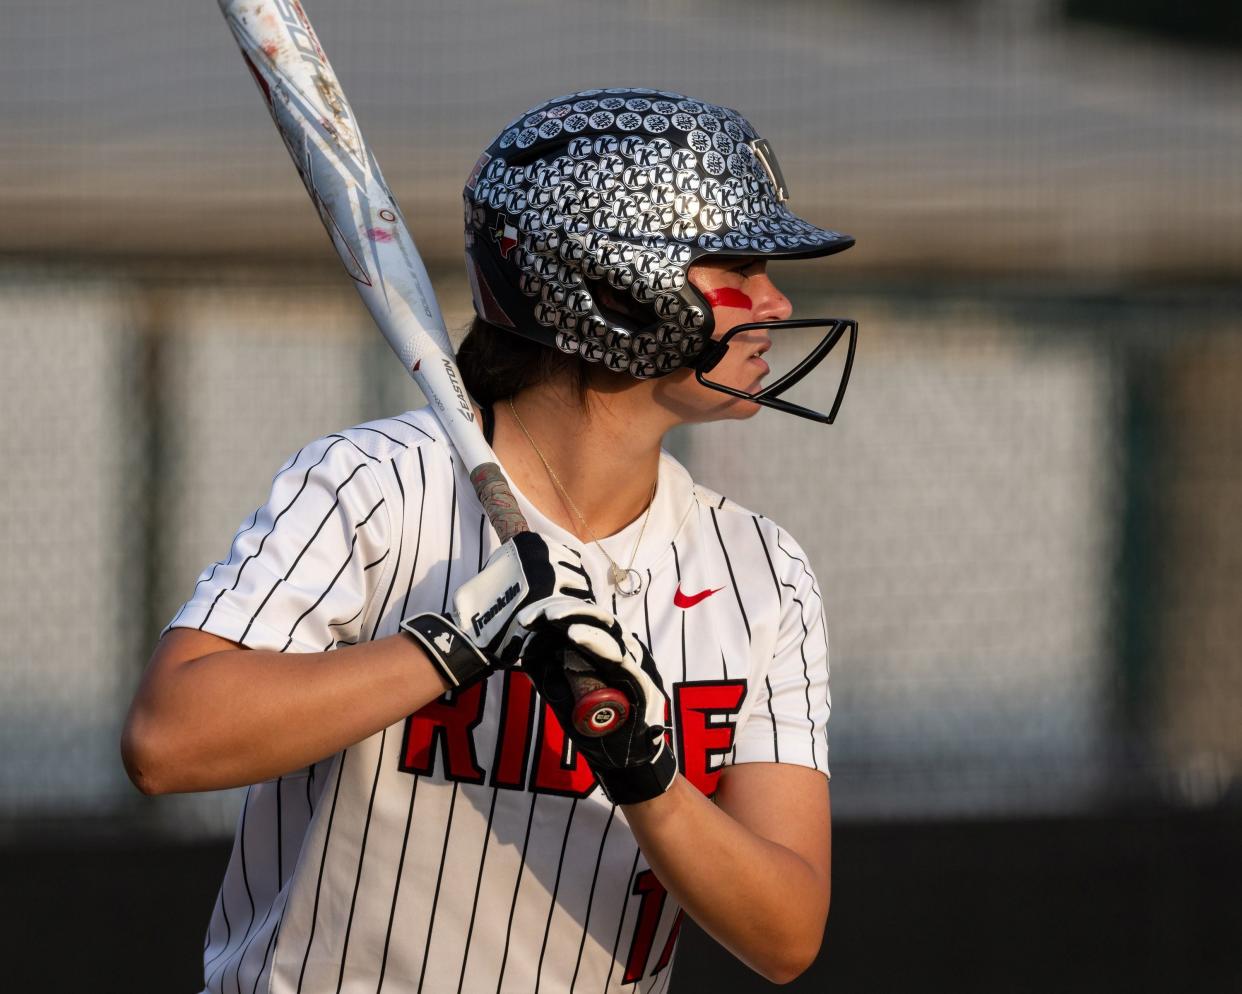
(599, 643)
(567, 574)
(560, 609)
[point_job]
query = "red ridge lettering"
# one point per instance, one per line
(447, 723)
(649, 911)
(669, 944)
(706, 726)
(515, 732)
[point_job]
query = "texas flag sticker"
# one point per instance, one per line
(505, 235)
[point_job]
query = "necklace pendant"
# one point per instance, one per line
(629, 582)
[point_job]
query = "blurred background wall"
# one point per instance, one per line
(1025, 521)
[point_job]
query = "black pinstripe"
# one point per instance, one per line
(275, 521)
(646, 612)
(396, 886)
(500, 979)
(370, 566)
(478, 885)
(732, 579)
(435, 901)
(376, 431)
(323, 860)
(414, 426)
(346, 438)
(244, 944)
(491, 814)
(228, 929)
(806, 673)
(254, 519)
(682, 614)
(586, 921)
(625, 903)
(418, 540)
(222, 972)
(267, 953)
(379, 615)
(362, 855)
(246, 951)
(353, 544)
(556, 886)
(448, 560)
(405, 840)
(823, 620)
(309, 542)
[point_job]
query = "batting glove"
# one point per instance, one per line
(482, 632)
(571, 639)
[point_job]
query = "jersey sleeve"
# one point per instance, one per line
(788, 717)
(303, 568)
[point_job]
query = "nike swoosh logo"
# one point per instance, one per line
(689, 600)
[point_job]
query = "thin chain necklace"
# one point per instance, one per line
(627, 580)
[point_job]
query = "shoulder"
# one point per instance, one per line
(396, 437)
(368, 462)
(390, 448)
(771, 544)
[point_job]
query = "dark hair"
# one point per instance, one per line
(497, 364)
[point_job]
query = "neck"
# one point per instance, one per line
(606, 455)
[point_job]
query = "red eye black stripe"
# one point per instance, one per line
(728, 296)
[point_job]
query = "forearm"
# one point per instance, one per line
(239, 716)
(759, 899)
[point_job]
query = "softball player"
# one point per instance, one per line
(391, 684)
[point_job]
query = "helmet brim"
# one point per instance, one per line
(771, 237)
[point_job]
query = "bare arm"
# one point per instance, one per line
(210, 714)
(753, 869)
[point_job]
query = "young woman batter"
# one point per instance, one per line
(420, 813)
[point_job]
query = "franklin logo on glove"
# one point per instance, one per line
(480, 620)
(527, 572)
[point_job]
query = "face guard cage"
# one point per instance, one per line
(769, 395)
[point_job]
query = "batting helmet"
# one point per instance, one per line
(585, 213)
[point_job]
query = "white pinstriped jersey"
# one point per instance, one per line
(467, 848)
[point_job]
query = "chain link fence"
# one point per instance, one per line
(1023, 524)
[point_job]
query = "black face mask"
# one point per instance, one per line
(769, 396)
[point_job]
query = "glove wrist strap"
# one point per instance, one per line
(448, 647)
(639, 783)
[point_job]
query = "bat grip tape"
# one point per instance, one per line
(498, 501)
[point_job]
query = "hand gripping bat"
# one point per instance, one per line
(371, 237)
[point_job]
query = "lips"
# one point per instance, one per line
(756, 351)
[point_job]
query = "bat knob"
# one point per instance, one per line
(600, 711)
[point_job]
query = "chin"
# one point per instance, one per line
(732, 409)
(694, 403)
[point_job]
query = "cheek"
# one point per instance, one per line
(728, 296)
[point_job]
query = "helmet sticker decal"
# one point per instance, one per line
(767, 158)
(505, 235)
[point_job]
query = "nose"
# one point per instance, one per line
(769, 304)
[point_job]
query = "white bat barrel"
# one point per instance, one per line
(374, 244)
